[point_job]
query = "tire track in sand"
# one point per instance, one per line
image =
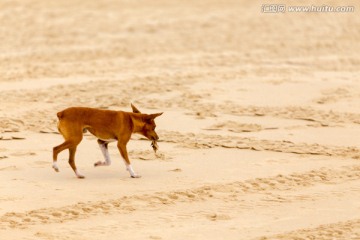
(339, 230)
(135, 86)
(233, 191)
(324, 118)
(191, 140)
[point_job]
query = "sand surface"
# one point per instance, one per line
(260, 133)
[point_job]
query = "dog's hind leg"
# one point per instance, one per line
(104, 149)
(72, 151)
(73, 137)
(57, 150)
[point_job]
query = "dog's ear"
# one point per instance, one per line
(135, 110)
(152, 116)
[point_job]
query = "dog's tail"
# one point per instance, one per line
(60, 115)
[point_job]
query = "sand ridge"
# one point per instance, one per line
(233, 191)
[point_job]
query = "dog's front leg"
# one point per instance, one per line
(104, 149)
(123, 152)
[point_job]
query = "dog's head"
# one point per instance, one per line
(147, 124)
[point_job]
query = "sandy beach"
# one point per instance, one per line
(260, 136)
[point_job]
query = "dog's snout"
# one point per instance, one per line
(155, 137)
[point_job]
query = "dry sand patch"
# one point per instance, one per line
(259, 139)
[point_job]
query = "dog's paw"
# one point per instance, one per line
(98, 163)
(55, 167)
(136, 176)
(79, 175)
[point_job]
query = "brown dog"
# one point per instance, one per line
(107, 126)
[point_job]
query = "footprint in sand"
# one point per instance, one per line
(218, 217)
(9, 168)
(148, 155)
(236, 127)
(41, 163)
(176, 170)
(11, 138)
(23, 153)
